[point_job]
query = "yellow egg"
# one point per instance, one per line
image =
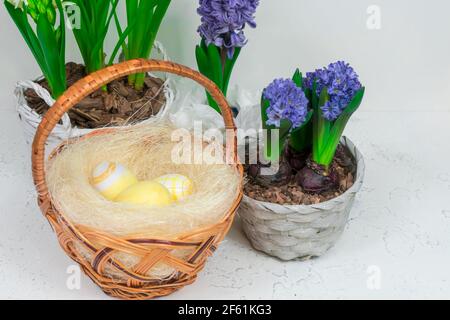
(110, 179)
(148, 193)
(178, 185)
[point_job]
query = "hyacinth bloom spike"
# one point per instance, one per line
(223, 22)
(336, 131)
(284, 109)
(341, 83)
(336, 94)
(46, 40)
(222, 32)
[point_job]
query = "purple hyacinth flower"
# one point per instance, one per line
(287, 102)
(341, 82)
(223, 22)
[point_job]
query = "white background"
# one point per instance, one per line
(400, 224)
(404, 65)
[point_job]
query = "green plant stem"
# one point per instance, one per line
(327, 134)
(132, 80)
(214, 63)
(146, 17)
(228, 68)
(95, 19)
(300, 138)
(139, 83)
(47, 43)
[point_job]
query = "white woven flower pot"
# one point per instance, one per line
(30, 120)
(300, 231)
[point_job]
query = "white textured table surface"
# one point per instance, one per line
(396, 245)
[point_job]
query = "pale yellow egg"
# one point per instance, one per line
(148, 193)
(178, 185)
(110, 179)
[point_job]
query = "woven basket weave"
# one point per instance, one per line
(298, 231)
(103, 247)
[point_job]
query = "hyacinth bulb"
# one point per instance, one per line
(271, 177)
(282, 177)
(315, 178)
(297, 160)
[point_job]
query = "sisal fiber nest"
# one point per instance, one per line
(146, 150)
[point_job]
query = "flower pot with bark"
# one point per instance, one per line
(300, 211)
(43, 25)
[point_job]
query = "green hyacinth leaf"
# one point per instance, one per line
(123, 36)
(298, 78)
(329, 149)
(215, 69)
(120, 44)
(20, 19)
(314, 104)
(285, 128)
(202, 61)
(300, 138)
(355, 102)
(229, 65)
(47, 40)
(144, 15)
(215, 65)
(323, 97)
(46, 44)
(321, 126)
(160, 9)
(339, 126)
(204, 67)
(265, 104)
(273, 152)
(61, 39)
(49, 45)
(203, 45)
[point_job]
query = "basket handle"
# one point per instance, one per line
(95, 81)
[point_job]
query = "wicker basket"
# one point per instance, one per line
(298, 231)
(102, 246)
